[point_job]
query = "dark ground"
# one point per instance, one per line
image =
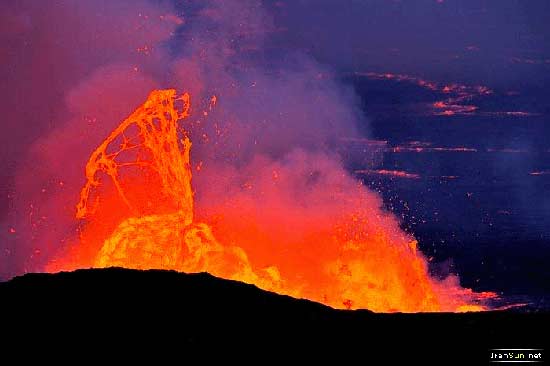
(132, 313)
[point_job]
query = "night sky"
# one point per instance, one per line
(441, 106)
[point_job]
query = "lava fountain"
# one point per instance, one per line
(137, 211)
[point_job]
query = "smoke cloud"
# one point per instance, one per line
(76, 69)
(265, 151)
(71, 70)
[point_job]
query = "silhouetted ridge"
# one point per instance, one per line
(194, 311)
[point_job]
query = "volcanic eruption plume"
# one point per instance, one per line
(352, 257)
(270, 202)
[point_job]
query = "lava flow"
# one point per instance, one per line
(137, 211)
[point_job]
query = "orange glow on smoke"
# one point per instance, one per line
(137, 210)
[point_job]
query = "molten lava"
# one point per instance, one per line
(137, 209)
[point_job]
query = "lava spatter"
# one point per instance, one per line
(137, 211)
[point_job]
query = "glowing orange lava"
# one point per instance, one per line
(137, 209)
(390, 173)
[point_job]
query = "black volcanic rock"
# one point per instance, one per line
(177, 312)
